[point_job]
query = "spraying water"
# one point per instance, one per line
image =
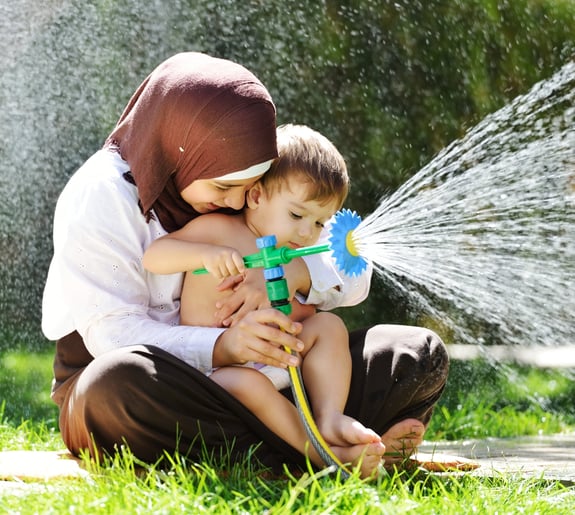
(488, 226)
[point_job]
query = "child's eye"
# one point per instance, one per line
(221, 188)
(320, 225)
(295, 216)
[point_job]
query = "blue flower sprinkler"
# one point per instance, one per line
(344, 249)
(343, 243)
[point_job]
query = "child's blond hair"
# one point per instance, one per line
(315, 158)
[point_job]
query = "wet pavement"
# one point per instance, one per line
(558, 357)
(545, 457)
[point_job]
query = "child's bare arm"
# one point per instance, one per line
(191, 248)
(169, 256)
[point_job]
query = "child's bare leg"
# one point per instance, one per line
(326, 369)
(257, 393)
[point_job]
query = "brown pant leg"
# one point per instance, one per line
(398, 372)
(152, 402)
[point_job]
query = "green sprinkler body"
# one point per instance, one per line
(272, 259)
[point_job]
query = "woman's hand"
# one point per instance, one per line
(259, 336)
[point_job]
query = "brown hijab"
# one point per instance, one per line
(194, 117)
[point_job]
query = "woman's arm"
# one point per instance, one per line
(330, 286)
(97, 284)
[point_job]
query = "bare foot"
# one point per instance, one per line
(341, 430)
(366, 457)
(401, 440)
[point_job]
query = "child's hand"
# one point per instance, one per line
(223, 262)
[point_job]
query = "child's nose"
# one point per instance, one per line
(306, 231)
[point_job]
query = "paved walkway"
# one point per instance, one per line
(544, 457)
(559, 357)
(548, 457)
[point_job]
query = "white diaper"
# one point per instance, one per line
(278, 376)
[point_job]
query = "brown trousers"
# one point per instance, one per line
(152, 402)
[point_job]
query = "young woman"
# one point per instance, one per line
(197, 133)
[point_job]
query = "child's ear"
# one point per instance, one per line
(254, 195)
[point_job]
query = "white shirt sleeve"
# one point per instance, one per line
(96, 282)
(331, 287)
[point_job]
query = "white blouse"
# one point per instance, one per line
(97, 285)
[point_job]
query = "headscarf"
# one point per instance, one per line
(194, 117)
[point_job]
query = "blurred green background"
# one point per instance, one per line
(391, 83)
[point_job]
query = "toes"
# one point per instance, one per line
(407, 427)
(402, 439)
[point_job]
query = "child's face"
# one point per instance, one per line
(295, 221)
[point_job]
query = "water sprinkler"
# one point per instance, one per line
(342, 244)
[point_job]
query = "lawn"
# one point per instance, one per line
(481, 400)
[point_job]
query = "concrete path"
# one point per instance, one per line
(561, 356)
(39, 465)
(546, 457)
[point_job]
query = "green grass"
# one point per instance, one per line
(121, 487)
(480, 400)
(25, 386)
